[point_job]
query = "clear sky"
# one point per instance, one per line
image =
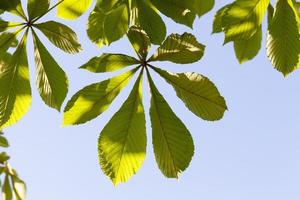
(252, 153)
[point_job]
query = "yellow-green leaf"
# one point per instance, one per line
(172, 142)
(52, 81)
(107, 23)
(116, 24)
(72, 9)
(180, 49)
(198, 93)
(283, 41)
(15, 96)
(151, 22)
(94, 99)
(60, 35)
(247, 49)
(178, 10)
(109, 63)
(19, 188)
(122, 143)
(243, 19)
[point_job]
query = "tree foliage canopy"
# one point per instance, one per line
(122, 142)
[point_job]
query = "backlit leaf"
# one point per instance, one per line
(178, 10)
(283, 42)
(72, 9)
(122, 143)
(109, 63)
(6, 189)
(36, 8)
(243, 18)
(14, 7)
(15, 96)
(198, 93)
(172, 142)
(94, 99)
(180, 49)
(60, 35)
(151, 22)
(140, 41)
(247, 49)
(52, 81)
(203, 6)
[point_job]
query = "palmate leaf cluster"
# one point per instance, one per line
(12, 186)
(110, 19)
(122, 142)
(51, 80)
(241, 22)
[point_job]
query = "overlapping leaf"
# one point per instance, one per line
(145, 14)
(243, 19)
(109, 63)
(180, 49)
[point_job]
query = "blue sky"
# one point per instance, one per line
(252, 153)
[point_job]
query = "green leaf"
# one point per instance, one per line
(60, 35)
(116, 24)
(172, 142)
(243, 19)
(4, 157)
(72, 9)
(109, 63)
(36, 8)
(203, 6)
(180, 49)
(19, 188)
(139, 41)
(151, 22)
(297, 7)
(6, 189)
(122, 143)
(4, 25)
(8, 40)
(178, 10)
(283, 43)
(247, 49)
(15, 96)
(198, 93)
(270, 13)
(14, 7)
(94, 99)
(3, 142)
(218, 19)
(52, 81)
(107, 23)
